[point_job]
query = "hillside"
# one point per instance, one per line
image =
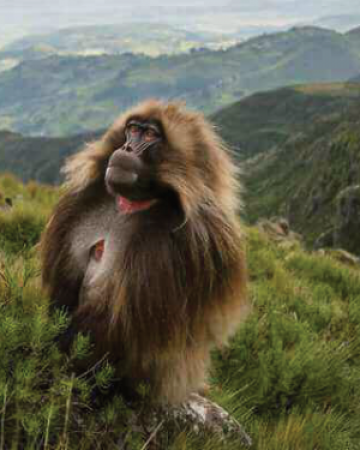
(37, 158)
(313, 180)
(267, 119)
(68, 95)
(339, 22)
(290, 375)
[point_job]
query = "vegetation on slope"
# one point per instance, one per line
(290, 375)
(38, 158)
(266, 120)
(63, 95)
(304, 179)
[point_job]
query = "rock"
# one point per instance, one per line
(198, 414)
(340, 255)
(346, 257)
(284, 225)
(278, 229)
(271, 228)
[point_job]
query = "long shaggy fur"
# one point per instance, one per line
(176, 287)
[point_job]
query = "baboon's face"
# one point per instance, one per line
(159, 152)
(131, 174)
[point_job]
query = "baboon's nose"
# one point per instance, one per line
(123, 171)
(116, 177)
(127, 147)
(124, 159)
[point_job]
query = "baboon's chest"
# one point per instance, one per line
(96, 243)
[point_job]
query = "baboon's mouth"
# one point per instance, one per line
(127, 206)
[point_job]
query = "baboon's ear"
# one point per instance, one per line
(87, 166)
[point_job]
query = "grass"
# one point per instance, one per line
(291, 375)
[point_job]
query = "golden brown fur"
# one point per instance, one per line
(174, 284)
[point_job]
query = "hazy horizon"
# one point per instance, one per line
(22, 17)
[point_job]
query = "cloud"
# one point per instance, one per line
(310, 8)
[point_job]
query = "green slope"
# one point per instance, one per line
(267, 119)
(305, 178)
(290, 375)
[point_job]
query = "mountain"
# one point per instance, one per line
(67, 95)
(340, 22)
(146, 38)
(354, 36)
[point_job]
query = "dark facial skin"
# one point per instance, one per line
(130, 171)
(140, 136)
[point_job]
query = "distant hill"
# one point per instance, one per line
(354, 36)
(68, 95)
(340, 22)
(146, 38)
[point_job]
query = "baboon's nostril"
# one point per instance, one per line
(127, 148)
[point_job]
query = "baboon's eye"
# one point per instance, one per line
(150, 135)
(134, 129)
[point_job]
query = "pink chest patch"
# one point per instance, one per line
(98, 250)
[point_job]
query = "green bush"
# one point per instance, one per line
(20, 228)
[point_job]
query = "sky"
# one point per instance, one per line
(20, 17)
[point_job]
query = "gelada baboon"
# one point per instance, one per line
(145, 249)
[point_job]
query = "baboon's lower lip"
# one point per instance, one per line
(127, 206)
